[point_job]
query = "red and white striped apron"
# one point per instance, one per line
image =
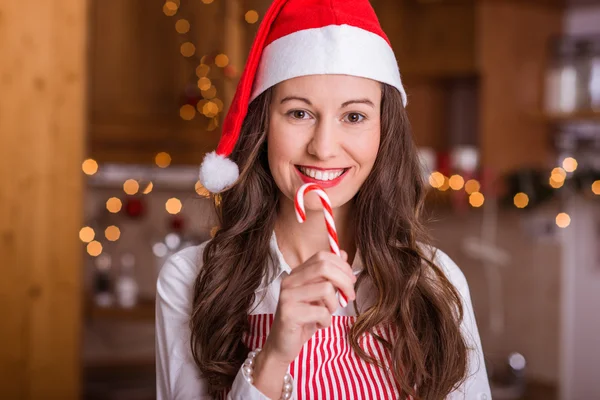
(328, 368)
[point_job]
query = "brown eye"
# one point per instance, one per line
(355, 118)
(299, 114)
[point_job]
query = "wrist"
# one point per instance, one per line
(270, 375)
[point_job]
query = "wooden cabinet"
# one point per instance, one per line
(139, 79)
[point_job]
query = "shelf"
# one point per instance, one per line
(578, 116)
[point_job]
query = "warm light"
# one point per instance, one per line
(556, 184)
(182, 26)
(214, 231)
(188, 49)
(89, 166)
(112, 233)
(86, 234)
(170, 9)
(187, 112)
(569, 164)
(558, 174)
(446, 185)
(207, 1)
(114, 205)
(221, 60)
(201, 190)
(209, 93)
(210, 109)
(596, 187)
(94, 248)
(149, 188)
(521, 200)
(456, 182)
(173, 205)
(219, 103)
(251, 17)
(204, 83)
(212, 124)
(563, 220)
(162, 159)
(202, 70)
(131, 186)
(472, 186)
(476, 199)
(436, 179)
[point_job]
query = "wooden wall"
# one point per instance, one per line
(42, 109)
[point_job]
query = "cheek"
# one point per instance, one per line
(365, 149)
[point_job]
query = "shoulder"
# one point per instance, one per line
(449, 268)
(178, 273)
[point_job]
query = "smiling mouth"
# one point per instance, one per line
(322, 175)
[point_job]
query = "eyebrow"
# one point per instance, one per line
(344, 104)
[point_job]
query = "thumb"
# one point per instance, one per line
(344, 255)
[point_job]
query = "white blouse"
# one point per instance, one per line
(178, 377)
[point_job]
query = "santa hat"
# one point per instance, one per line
(299, 38)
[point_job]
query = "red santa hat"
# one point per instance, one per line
(299, 38)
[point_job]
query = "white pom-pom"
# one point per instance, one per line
(218, 172)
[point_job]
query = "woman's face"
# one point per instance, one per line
(324, 129)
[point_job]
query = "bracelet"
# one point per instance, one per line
(248, 371)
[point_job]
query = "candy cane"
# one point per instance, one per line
(328, 212)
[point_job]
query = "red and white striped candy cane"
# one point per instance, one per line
(328, 212)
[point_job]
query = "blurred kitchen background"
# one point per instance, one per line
(108, 106)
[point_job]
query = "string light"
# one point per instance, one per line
(201, 190)
(204, 83)
(558, 174)
(556, 184)
(182, 26)
(251, 17)
(202, 70)
(162, 159)
(521, 200)
(436, 179)
(209, 93)
(213, 124)
(131, 187)
(456, 182)
(89, 166)
(187, 112)
(476, 199)
(596, 187)
(221, 60)
(112, 233)
(446, 185)
(569, 164)
(219, 103)
(170, 7)
(173, 205)
(149, 188)
(86, 234)
(563, 220)
(472, 186)
(188, 49)
(207, 1)
(94, 248)
(114, 205)
(210, 109)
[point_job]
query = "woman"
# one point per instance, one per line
(253, 313)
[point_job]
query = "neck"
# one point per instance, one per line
(300, 241)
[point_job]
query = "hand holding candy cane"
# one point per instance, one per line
(329, 222)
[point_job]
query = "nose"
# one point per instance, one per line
(324, 143)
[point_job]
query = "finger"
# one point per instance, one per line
(310, 314)
(318, 272)
(322, 293)
(335, 259)
(344, 255)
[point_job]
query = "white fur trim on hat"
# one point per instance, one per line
(218, 172)
(333, 49)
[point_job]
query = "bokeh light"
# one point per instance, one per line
(173, 205)
(456, 182)
(201, 190)
(188, 49)
(569, 164)
(89, 166)
(476, 199)
(202, 70)
(114, 205)
(521, 200)
(163, 159)
(112, 233)
(472, 186)
(148, 188)
(182, 26)
(596, 187)
(86, 234)
(563, 220)
(94, 248)
(251, 17)
(187, 112)
(436, 179)
(131, 186)
(209, 93)
(221, 60)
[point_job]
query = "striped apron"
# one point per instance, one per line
(328, 368)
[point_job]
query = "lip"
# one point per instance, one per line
(323, 184)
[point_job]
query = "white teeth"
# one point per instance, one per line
(321, 175)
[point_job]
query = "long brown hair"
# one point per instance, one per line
(414, 295)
